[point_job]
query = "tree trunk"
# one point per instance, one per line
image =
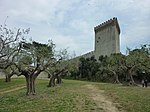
(51, 81)
(127, 77)
(89, 75)
(49, 75)
(116, 78)
(57, 76)
(131, 77)
(8, 77)
(59, 79)
(30, 83)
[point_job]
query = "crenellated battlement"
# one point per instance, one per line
(109, 22)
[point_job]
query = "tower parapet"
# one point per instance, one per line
(112, 21)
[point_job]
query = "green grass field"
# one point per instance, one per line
(71, 96)
(132, 99)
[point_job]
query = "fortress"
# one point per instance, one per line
(107, 38)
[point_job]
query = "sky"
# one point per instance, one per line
(70, 23)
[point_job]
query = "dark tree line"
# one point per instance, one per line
(116, 68)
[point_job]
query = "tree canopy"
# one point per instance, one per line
(117, 68)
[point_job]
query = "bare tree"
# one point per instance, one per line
(10, 45)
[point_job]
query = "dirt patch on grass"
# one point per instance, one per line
(11, 90)
(100, 99)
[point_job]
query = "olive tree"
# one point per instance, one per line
(33, 59)
(138, 59)
(114, 65)
(59, 70)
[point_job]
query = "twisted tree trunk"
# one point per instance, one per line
(57, 75)
(59, 81)
(30, 83)
(8, 76)
(116, 78)
(60, 76)
(131, 78)
(130, 72)
(51, 81)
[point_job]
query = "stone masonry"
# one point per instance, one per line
(107, 39)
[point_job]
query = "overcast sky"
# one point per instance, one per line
(70, 23)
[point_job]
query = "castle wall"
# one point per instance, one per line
(75, 60)
(89, 54)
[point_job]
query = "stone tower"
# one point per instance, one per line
(107, 38)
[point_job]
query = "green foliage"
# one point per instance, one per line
(117, 67)
(35, 53)
(26, 60)
(88, 68)
(39, 50)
